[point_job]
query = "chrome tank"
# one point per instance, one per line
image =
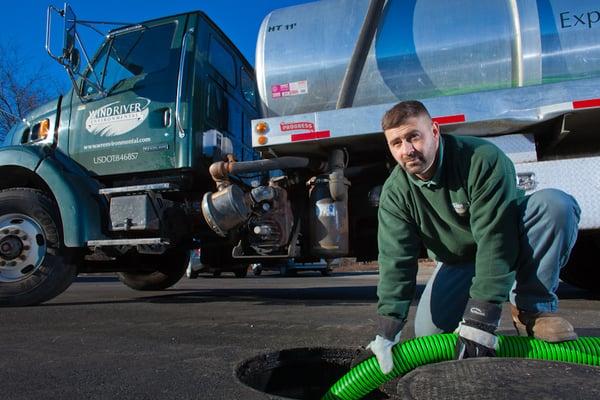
(423, 49)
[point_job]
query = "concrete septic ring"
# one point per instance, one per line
(500, 379)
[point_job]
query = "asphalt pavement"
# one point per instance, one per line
(102, 340)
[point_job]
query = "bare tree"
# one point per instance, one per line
(21, 88)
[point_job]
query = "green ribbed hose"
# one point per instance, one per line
(367, 376)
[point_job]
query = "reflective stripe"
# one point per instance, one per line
(296, 137)
(586, 103)
(450, 119)
(556, 108)
(573, 105)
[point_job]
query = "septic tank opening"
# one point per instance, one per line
(304, 373)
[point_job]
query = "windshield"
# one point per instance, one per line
(130, 54)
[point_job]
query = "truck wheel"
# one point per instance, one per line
(33, 265)
(581, 270)
(256, 269)
(159, 271)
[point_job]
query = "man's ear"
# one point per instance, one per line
(435, 127)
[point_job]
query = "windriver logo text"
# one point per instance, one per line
(116, 118)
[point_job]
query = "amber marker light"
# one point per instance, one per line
(45, 128)
(262, 140)
(261, 128)
(40, 130)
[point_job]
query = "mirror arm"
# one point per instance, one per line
(51, 8)
(98, 84)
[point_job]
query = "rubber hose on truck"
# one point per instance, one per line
(367, 376)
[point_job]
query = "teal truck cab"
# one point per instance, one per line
(109, 176)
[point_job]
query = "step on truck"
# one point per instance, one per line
(166, 143)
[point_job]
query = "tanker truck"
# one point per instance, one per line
(168, 142)
(523, 74)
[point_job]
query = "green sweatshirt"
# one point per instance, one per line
(466, 212)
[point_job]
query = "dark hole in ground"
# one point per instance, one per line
(304, 373)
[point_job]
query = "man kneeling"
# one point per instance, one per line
(458, 197)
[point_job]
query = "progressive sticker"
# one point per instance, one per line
(117, 118)
(296, 126)
(289, 89)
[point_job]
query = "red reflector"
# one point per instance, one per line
(586, 103)
(296, 137)
(450, 119)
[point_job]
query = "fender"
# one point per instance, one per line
(77, 196)
(28, 157)
(75, 192)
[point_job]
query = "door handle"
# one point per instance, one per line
(167, 117)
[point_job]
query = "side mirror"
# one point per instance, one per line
(66, 57)
(70, 53)
(72, 47)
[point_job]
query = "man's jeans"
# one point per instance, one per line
(547, 232)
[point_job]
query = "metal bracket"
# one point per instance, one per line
(562, 133)
(238, 251)
(128, 242)
(526, 181)
(155, 187)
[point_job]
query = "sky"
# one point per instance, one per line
(23, 24)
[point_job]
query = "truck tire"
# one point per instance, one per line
(256, 269)
(158, 271)
(581, 270)
(33, 264)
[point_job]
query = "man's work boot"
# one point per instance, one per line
(548, 327)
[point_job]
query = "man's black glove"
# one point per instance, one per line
(476, 336)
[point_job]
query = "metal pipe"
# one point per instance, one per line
(221, 170)
(517, 44)
(338, 184)
(359, 55)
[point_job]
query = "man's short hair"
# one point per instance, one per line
(397, 115)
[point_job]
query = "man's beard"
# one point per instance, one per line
(422, 166)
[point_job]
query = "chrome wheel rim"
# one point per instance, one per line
(22, 247)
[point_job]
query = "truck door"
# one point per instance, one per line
(229, 104)
(131, 126)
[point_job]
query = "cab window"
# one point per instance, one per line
(217, 107)
(130, 54)
(248, 88)
(221, 60)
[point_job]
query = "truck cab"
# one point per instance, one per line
(109, 176)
